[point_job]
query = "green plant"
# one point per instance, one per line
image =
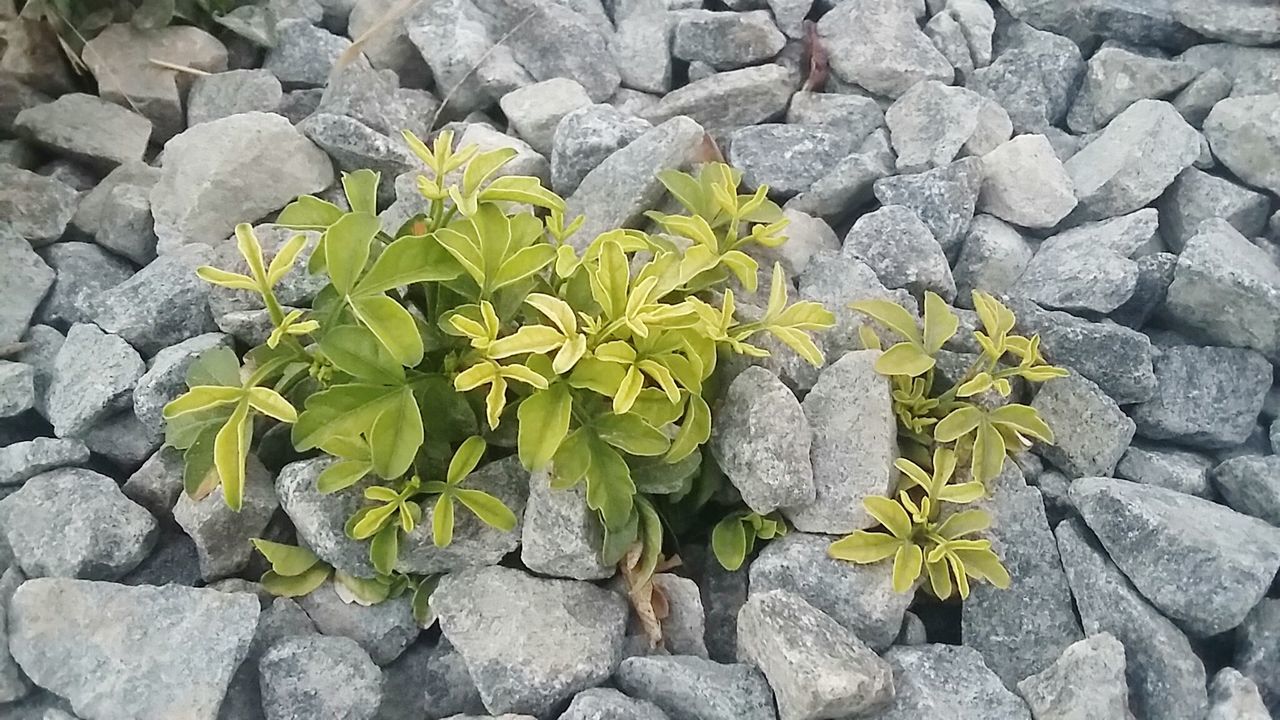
(939, 428)
(429, 339)
(734, 537)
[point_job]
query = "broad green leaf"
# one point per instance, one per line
(342, 410)
(543, 424)
(412, 259)
(744, 267)
(962, 493)
(940, 323)
(342, 475)
(988, 453)
(864, 547)
(271, 403)
(893, 316)
(598, 376)
(384, 550)
(361, 188)
(396, 436)
(729, 542)
(618, 541)
(907, 562)
(914, 472)
(524, 263)
(940, 579)
(609, 278)
(372, 521)
(466, 459)
(199, 475)
(361, 591)
(215, 366)
(202, 397)
(346, 245)
(1024, 419)
(977, 384)
(904, 359)
(286, 560)
(628, 390)
(488, 508)
(483, 166)
(659, 477)
(182, 431)
(610, 490)
(230, 451)
(631, 434)
(521, 189)
(309, 213)
(283, 262)
(890, 514)
(959, 423)
(694, 430)
(355, 350)
(296, 585)
(393, 326)
(964, 523)
(572, 460)
(421, 604)
(528, 339)
(442, 521)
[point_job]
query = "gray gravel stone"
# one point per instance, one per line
(587, 59)
(994, 255)
(1155, 274)
(166, 377)
(1233, 696)
(1258, 652)
(943, 198)
(562, 536)
(75, 523)
(1242, 133)
(83, 272)
(17, 97)
(64, 632)
(584, 138)
(807, 237)
(1090, 431)
(94, 374)
(1166, 678)
(23, 284)
(207, 186)
(535, 111)
(281, 619)
(232, 92)
(731, 99)
(389, 46)
(815, 667)
(311, 676)
(1086, 681)
(1024, 183)
(158, 483)
(37, 207)
(87, 129)
(694, 688)
(17, 388)
(320, 519)
(932, 123)
(1251, 485)
(641, 46)
(1207, 397)
(787, 158)
(1251, 70)
(725, 40)
(853, 115)
(684, 628)
(854, 444)
(850, 183)
(1166, 542)
(303, 55)
(1197, 196)
(569, 635)
(1201, 94)
(878, 46)
(429, 680)
(933, 679)
(221, 534)
(1116, 78)
(762, 442)
(1022, 630)
(859, 597)
(1166, 466)
(609, 704)
(1034, 80)
(1133, 160)
(383, 630)
(1088, 268)
(13, 683)
(375, 98)
(21, 461)
(948, 37)
(902, 250)
(353, 146)
(160, 305)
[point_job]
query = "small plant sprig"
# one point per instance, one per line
(938, 430)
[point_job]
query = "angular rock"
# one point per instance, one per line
(1233, 696)
(1206, 397)
(525, 162)
(23, 284)
(75, 523)
(762, 442)
(1200, 95)
(158, 483)
(570, 635)
(731, 99)
(725, 40)
(693, 688)
(932, 123)
(37, 207)
(92, 131)
(853, 447)
(584, 138)
(684, 627)
(303, 55)
(320, 519)
(223, 535)
(536, 110)
(166, 377)
(94, 374)
(64, 632)
(807, 237)
(1241, 131)
(787, 158)
(389, 46)
(1251, 485)
(1090, 431)
(1024, 183)
(17, 97)
(850, 183)
(174, 560)
(1034, 80)
(281, 619)
(562, 536)
(160, 305)
(932, 679)
(375, 98)
(993, 257)
(429, 680)
(622, 187)
(17, 388)
(902, 250)
(120, 58)
(1086, 681)
(231, 93)
(13, 684)
(22, 461)
(1164, 466)
(943, 198)
(232, 170)
(1117, 78)
(32, 55)
(1251, 70)
(1258, 653)
(383, 630)
(815, 667)
(859, 597)
(641, 46)
(948, 37)
(877, 45)
(526, 24)
(83, 272)
(609, 704)
(1167, 542)
(1133, 160)
(1197, 196)
(311, 676)
(852, 115)
(1088, 268)
(353, 146)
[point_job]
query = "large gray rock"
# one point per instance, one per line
(1197, 196)
(1022, 630)
(1242, 133)
(725, 40)
(1206, 397)
(1166, 466)
(40, 350)
(525, 26)
(1233, 696)
(1033, 79)
(535, 111)
(1200, 95)
(21, 461)
(117, 212)
(731, 99)
(303, 55)
(37, 207)
(1024, 183)
(311, 676)
(943, 198)
(902, 250)
(1093, 20)
(1251, 484)
(281, 619)
(1250, 70)
(1258, 650)
(853, 447)
(23, 284)
(320, 519)
(388, 46)
(530, 643)
(1155, 273)
(816, 667)
(83, 272)
(171, 650)
(609, 704)
(1117, 78)
(223, 535)
(87, 129)
(123, 439)
(1166, 678)
(375, 98)
(1086, 681)
(1090, 430)
(853, 115)
(584, 138)
(17, 388)
(859, 597)
(166, 377)
(694, 688)
(933, 123)
(1133, 160)
(620, 189)
(641, 45)
(383, 630)
(352, 145)
(787, 158)
(850, 183)
(1088, 268)
(994, 255)
(877, 45)
(160, 305)
(761, 440)
(948, 680)
(72, 522)
(13, 684)
(235, 169)
(93, 375)
(1169, 543)
(158, 483)
(233, 92)
(562, 536)
(1226, 290)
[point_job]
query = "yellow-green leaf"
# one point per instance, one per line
(940, 323)
(286, 560)
(466, 459)
(342, 475)
(393, 326)
(283, 262)
(234, 281)
(694, 430)
(864, 547)
(296, 585)
(904, 359)
(442, 521)
(962, 493)
(959, 423)
(988, 453)
(346, 245)
(893, 316)
(202, 397)
(488, 508)
(413, 259)
(396, 436)
(230, 452)
(384, 550)
(729, 542)
(355, 350)
(907, 562)
(309, 213)
(271, 403)
(361, 188)
(890, 514)
(544, 423)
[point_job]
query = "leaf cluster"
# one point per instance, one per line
(941, 427)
